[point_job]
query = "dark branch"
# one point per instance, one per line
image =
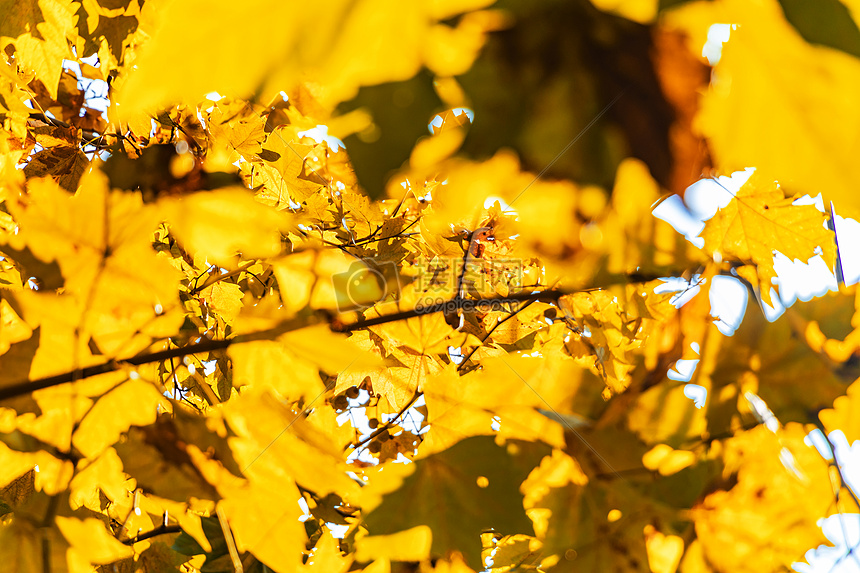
(27, 386)
(492, 303)
(160, 530)
(836, 463)
(91, 137)
(468, 357)
(385, 426)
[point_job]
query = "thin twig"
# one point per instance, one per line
(218, 278)
(228, 538)
(837, 464)
(490, 333)
(160, 530)
(386, 424)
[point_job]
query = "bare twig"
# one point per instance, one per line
(218, 278)
(490, 333)
(386, 425)
(160, 530)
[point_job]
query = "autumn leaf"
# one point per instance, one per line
(510, 393)
(759, 216)
(838, 417)
(757, 510)
(199, 221)
(39, 34)
(137, 403)
(462, 491)
(735, 121)
(68, 163)
(351, 62)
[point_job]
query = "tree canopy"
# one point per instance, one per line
(365, 285)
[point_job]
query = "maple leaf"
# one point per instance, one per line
(462, 491)
(760, 220)
(806, 151)
(839, 416)
(234, 129)
(762, 512)
(199, 221)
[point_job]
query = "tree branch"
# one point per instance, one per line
(27, 386)
(302, 321)
(218, 278)
(384, 427)
(836, 463)
(160, 530)
(468, 357)
(88, 135)
(496, 302)
(490, 303)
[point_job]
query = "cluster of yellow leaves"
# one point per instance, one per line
(215, 348)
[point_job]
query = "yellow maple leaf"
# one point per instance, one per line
(513, 392)
(327, 557)
(217, 224)
(759, 220)
(90, 540)
(409, 545)
(133, 403)
(768, 518)
(843, 414)
(40, 37)
(102, 242)
(272, 45)
(793, 120)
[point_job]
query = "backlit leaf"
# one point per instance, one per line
(759, 221)
(221, 223)
(455, 501)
